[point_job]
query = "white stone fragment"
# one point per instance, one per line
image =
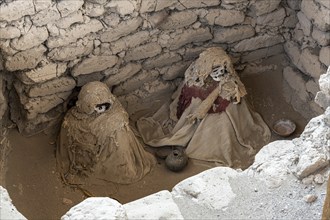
(204, 189)
(156, 206)
(309, 198)
(7, 209)
(96, 208)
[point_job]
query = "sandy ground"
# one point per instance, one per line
(37, 190)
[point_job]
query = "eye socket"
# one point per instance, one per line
(104, 106)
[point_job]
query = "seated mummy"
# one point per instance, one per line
(97, 142)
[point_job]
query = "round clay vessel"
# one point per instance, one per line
(176, 160)
(284, 127)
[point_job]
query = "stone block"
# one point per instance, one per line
(258, 42)
(176, 70)
(123, 7)
(312, 87)
(291, 19)
(189, 36)
(214, 193)
(224, 17)
(305, 60)
(45, 72)
(325, 55)
(325, 3)
(296, 82)
(42, 4)
(66, 7)
(294, 4)
(13, 10)
(273, 19)
(305, 23)
(73, 51)
(129, 41)
(164, 4)
(322, 38)
(66, 22)
(46, 16)
(147, 6)
(162, 60)
(83, 79)
(123, 74)
(317, 13)
(159, 205)
(5, 48)
(233, 34)
(261, 7)
(135, 82)
(9, 32)
(33, 38)
(262, 53)
(94, 64)
(94, 10)
(75, 32)
(58, 85)
(27, 59)
(184, 4)
(97, 208)
(101, 2)
(179, 20)
(143, 52)
(123, 29)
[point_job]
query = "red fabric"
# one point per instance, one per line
(189, 92)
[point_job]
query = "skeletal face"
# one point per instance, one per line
(218, 72)
(100, 108)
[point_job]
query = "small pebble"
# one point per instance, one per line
(66, 201)
(308, 180)
(319, 179)
(310, 198)
(255, 189)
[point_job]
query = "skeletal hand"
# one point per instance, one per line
(196, 116)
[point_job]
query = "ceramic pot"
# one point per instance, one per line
(176, 160)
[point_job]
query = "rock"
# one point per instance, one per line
(42, 4)
(323, 97)
(161, 60)
(294, 4)
(184, 4)
(96, 208)
(46, 16)
(296, 82)
(261, 7)
(312, 87)
(325, 3)
(27, 59)
(66, 201)
(309, 198)
(155, 206)
(322, 38)
(135, 82)
(33, 38)
(73, 51)
(175, 71)
(147, 6)
(45, 72)
(129, 41)
(66, 7)
(75, 32)
(123, 7)
(66, 22)
(305, 23)
(164, 4)
(94, 64)
(189, 36)
(179, 20)
(58, 85)
(9, 32)
(291, 19)
(224, 17)
(258, 42)
(317, 13)
(308, 180)
(304, 60)
(214, 193)
(325, 55)
(273, 19)
(13, 10)
(83, 79)
(123, 74)
(143, 52)
(123, 29)
(262, 53)
(319, 179)
(233, 34)
(7, 209)
(94, 10)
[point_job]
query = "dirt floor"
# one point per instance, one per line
(38, 193)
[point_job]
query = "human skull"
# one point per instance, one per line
(218, 72)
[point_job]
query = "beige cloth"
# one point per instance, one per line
(100, 146)
(231, 138)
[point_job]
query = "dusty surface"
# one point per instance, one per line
(38, 193)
